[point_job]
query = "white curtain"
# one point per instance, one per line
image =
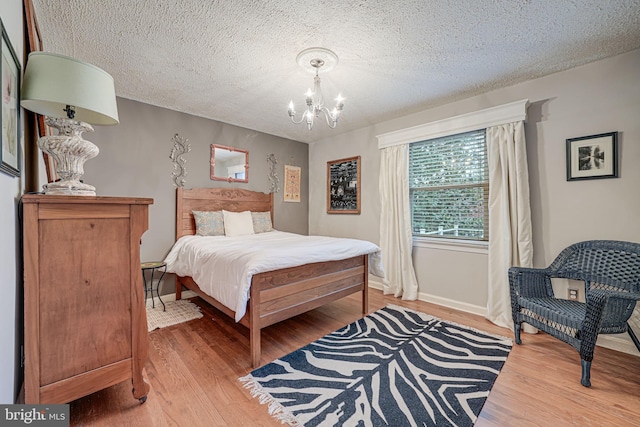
(510, 241)
(395, 223)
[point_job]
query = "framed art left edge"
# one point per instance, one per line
(10, 118)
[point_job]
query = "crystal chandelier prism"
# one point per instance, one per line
(317, 59)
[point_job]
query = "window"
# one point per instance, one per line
(449, 187)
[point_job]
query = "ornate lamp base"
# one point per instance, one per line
(69, 151)
(69, 188)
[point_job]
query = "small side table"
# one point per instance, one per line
(153, 266)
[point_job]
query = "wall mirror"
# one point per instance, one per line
(229, 164)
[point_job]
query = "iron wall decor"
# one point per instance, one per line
(180, 146)
(343, 186)
(273, 174)
(10, 118)
(592, 157)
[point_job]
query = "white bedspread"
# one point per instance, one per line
(223, 266)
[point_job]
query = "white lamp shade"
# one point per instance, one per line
(52, 81)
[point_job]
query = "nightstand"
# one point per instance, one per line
(153, 267)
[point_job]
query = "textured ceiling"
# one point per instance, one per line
(235, 60)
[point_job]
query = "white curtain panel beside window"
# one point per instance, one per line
(510, 241)
(396, 240)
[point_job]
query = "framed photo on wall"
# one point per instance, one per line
(10, 100)
(343, 186)
(592, 157)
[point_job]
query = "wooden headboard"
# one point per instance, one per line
(216, 199)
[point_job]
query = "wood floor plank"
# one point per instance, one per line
(193, 370)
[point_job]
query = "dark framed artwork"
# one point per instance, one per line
(592, 157)
(343, 186)
(10, 118)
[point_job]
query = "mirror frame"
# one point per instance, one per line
(233, 149)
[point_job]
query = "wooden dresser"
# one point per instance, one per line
(84, 311)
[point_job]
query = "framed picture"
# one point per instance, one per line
(292, 183)
(592, 157)
(343, 186)
(10, 118)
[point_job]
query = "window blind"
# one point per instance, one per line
(449, 186)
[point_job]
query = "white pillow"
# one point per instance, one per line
(237, 223)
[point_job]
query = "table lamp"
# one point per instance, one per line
(72, 95)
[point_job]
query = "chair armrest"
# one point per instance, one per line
(596, 300)
(530, 282)
(631, 296)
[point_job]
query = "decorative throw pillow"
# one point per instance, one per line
(209, 223)
(237, 223)
(261, 222)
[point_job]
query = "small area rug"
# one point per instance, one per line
(394, 367)
(177, 312)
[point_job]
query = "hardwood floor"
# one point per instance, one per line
(193, 370)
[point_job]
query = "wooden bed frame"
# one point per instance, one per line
(276, 295)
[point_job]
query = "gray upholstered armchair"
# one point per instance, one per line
(611, 274)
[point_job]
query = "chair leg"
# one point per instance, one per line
(586, 373)
(633, 336)
(516, 330)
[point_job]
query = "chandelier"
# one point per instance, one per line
(316, 59)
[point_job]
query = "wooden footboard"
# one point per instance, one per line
(281, 294)
(275, 295)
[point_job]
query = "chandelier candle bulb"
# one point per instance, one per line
(315, 59)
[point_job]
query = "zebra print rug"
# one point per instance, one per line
(394, 367)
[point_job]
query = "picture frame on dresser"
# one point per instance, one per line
(10, 157)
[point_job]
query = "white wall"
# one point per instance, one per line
(10, 191)
(600, 97)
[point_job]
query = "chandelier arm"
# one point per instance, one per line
(299, 121)
(327, 114)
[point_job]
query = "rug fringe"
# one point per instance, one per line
(497, 336)
(275, 409)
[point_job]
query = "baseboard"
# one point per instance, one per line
(172, 297)
(618, 343)
(375, 284)
(445, 302)
(449, 303)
